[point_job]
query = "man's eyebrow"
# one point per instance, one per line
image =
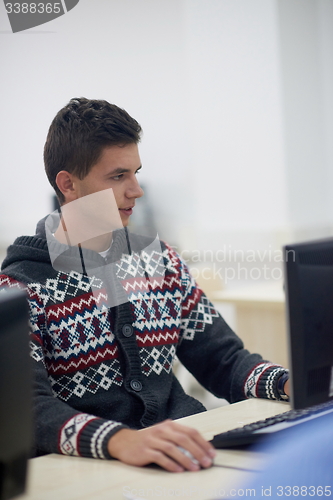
(120, 170)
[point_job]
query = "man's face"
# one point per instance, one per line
(116, 169)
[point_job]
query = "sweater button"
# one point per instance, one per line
(127, 330)
(136, 385)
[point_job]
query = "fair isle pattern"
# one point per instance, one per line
(172, 260)
(70, 433)
(6, 281)
(36, 352)
(270, 385)
(129, 266)
(35, 306)
(157, 313)
(161, 308)
(251, 383)
(80, 335)
(37, 324)
(157, 339)
(96, 446)
(37, 295)
(156, 360)
(76, 306)
(152, 263)
(197, 310)
(67, 285)
(200, 316)
(100, 376)
(144, 284)
(157, 310)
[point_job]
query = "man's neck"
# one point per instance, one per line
(98, 244)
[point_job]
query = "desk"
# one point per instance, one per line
(260, 318)
(58, 477)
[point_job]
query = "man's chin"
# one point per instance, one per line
(125, 221)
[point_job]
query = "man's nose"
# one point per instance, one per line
(134, 190)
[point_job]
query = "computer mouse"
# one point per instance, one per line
(189, 455)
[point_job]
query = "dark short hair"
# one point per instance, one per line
(79, 133)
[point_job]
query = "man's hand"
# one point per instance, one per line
(287, 388)
(160, 444)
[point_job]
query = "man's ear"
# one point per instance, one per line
(65, 183)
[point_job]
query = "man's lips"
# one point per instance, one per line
(126, 211)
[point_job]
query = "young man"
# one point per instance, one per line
(109, 311)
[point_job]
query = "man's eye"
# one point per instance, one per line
(117, 177)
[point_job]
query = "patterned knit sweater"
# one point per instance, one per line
(101, 365)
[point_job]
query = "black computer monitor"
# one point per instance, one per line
(309, 294)
(15, 393)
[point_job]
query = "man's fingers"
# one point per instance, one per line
(194, 452)
(197, 438)
(173, 459)
(172, 446)
(179, 455)
(190, 440)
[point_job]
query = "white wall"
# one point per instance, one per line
(223, 90)
(306, 36)
(127, 52)
(235, 97)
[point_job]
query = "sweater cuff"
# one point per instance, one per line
(87, 436)
(262, 382)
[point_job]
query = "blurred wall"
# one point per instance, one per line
(235, 98)
(306, 47)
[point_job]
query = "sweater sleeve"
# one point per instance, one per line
(59, 428)
(215, 355)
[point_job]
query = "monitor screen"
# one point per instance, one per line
(309, 294)
(15, 393)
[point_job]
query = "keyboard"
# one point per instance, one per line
(253, 433)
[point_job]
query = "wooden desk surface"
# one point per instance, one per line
(58, 477)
